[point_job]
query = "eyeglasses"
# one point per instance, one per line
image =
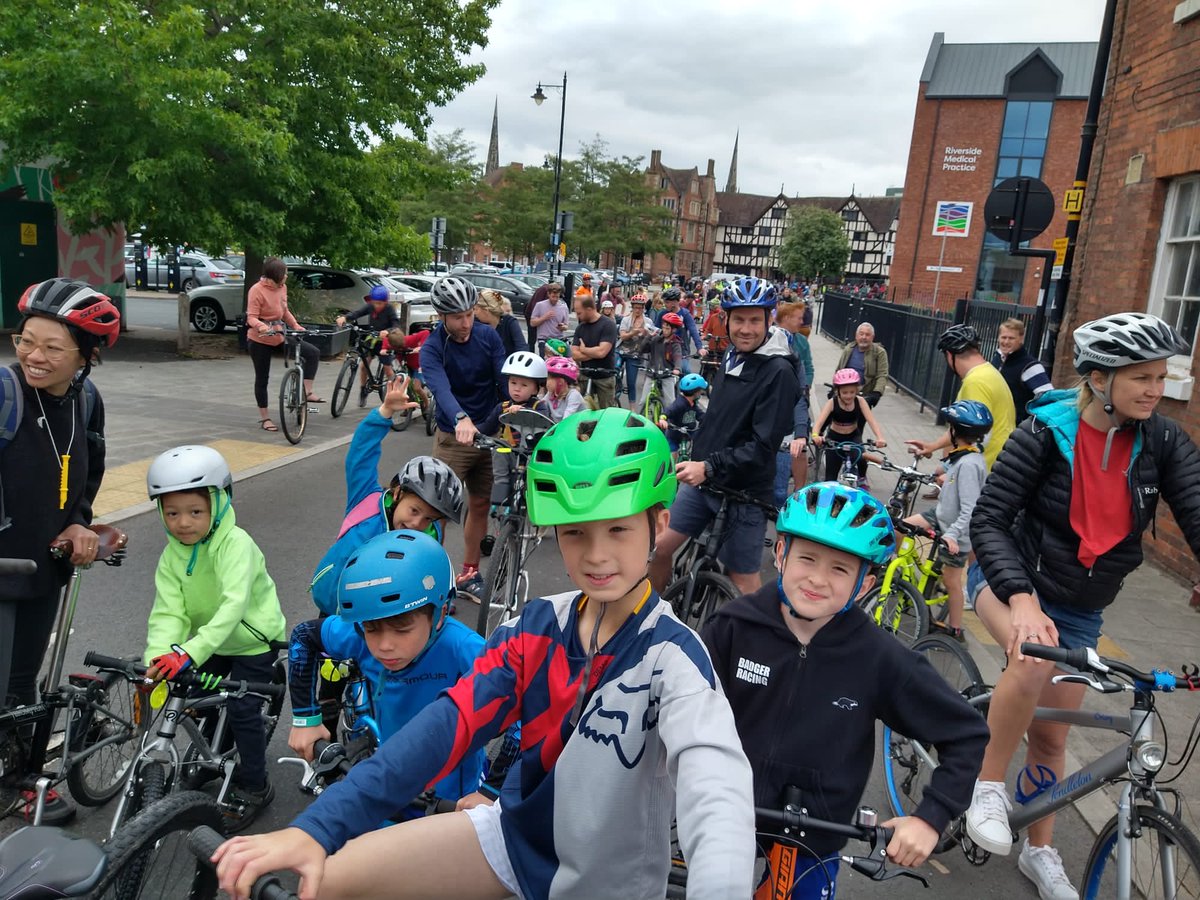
(54, 353)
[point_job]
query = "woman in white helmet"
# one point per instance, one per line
(1057, 528)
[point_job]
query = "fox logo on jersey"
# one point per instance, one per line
(611, 725)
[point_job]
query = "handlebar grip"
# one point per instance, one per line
(274, 691)
(17, 567)
(95, 660)
(269, 888)
(203, 841)
(442, 805)
(1076, 658)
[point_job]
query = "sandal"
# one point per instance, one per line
(311, 399)
(267, 425)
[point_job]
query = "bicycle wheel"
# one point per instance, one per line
(500, 598)
(1165, 859)
(293, 406)
(344, 385)
(713, 590)
(899, 609)
(149, 856)
(149, 786)
(121, 714)
(430, 414)
(908, 764)
(652, 406)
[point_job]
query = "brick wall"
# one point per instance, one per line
(1151, 109)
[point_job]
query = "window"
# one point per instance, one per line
(860, 236)
(1175, 289)
(669, 202)
(764, 230)
(694, 208)
(858, 256)
(849, 215)
(764, 251)
(748, 229)
(662, 183)
(778, 212)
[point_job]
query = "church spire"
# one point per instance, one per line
(731, 183)
(493, 157)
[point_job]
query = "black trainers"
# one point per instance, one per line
(363, 392)
(242, 806)
(57, 811)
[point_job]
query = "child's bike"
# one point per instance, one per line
(652, 403)
(850, 452)
(909, 592)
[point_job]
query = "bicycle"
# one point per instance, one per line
(1147, 819)
(699, 585)
(421, 396)
(850, 452)
(379, 374)
(910, 479)
(293, 401)
(909, 593)
(652, 403)
(790, 825)
(591, 396)
(506, 585)
(159, 768)
(103, 718)
(162, 854)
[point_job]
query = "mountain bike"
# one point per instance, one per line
(160, 767)
(786, 828)
(380, 371)
(104, 717)
(699, 585)
(1145, 848)
(652, 403)
(293, 401)
(506, 584)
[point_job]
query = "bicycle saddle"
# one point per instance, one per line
(44, 862)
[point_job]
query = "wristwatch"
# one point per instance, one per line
(460, 415)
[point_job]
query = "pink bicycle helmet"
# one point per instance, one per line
(846, 376)
(564, 367)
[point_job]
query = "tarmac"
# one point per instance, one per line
(155, 399)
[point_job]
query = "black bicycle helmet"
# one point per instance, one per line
(435, 483)
(453, 295)
(670, 294)
(958, 338)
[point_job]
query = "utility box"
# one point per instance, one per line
(28, 252)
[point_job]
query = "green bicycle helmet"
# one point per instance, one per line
(840, 517)
(599, 464)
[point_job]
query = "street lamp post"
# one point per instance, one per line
(555, 228)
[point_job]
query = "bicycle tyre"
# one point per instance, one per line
(149, 856)
(1100, 875)
(652, 407)
(100, 777)
(907, 764)
(901, 611)
(343, 386)
(430, 414)
(502, 582)
(293, 405)
(401, 420)
(713, 590)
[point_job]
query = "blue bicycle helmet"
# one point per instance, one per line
(969, 418)
(394, 573)
(749, 292)
(692, 382)
(379, 294)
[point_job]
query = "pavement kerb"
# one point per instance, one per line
(261, 469)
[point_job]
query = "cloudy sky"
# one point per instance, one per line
(823, 93)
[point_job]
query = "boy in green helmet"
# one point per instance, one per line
(623, 725)
(808, 674)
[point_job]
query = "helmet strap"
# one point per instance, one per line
(1104, 396)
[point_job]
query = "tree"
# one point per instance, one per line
(270, 123)
(450, 181)
(814, 244)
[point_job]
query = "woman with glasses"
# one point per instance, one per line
(50, 469)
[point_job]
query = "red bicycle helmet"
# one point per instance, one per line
(564, 367)
(673, 319)
(74, 304)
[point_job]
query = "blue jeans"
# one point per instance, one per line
(783, 473)
(631, 377)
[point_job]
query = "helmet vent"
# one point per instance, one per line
(630, 447)
(837, 505)
(545, 487)
(623, 478)
(395, 554)
(862, 517)
(585, 430)
(544, 456)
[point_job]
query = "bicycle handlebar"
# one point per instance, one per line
(739, 497)
(136, 671)
(17, 567)
(1088, 660)
(203, 841)
(110, 548)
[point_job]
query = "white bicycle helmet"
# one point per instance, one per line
(1125, 339)
(188, 468)
(525, 365)
(435, 483)
(452, 294)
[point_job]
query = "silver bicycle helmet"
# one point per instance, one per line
(453, 295)
(525, 365)
(1125, 339)
(188, 468)
(435, 483)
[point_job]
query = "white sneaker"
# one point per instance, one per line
(1044, 868)
(987, 817)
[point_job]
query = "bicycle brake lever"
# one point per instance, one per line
(308, 782)
(1097, 684)
(878, 870)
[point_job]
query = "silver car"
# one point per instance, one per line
(195, 270)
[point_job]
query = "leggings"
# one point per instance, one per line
(34, 620)
(245, 715)
(260, 355)
(833, 461)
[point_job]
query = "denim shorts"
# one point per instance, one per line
(746, 526)
(1077, 628)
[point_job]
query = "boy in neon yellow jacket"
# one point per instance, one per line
(215, 606)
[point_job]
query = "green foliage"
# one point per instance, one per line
(450, 174)
(815, 244)
(265, 123)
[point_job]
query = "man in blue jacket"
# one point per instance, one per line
(461, 362)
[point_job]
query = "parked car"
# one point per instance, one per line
(195, 270)
(578, 268)
(534, 281)
(416, 282)
(518, 293)
(237, 260)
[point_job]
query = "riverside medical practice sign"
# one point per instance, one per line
(961, 159)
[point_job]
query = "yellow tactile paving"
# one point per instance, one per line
(125, 486)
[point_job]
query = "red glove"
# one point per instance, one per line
(171, 664)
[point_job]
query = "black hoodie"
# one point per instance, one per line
(806, 713)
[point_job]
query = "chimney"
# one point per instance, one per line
(712, 172)
(655, 159)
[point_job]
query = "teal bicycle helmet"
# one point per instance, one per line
(394, 573)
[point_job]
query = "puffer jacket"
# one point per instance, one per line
(1021, 529)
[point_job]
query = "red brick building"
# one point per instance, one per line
(1139, 240)
(691, 197)
(986, 112)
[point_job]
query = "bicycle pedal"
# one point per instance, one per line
(487, 545)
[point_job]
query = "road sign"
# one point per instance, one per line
(1060, 250)
(943, 268)
(1021, 205)
(1073, 201)
(952, 218)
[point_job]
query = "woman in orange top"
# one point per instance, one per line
(267, 314)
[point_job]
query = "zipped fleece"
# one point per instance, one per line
(748, 418)
(207, 594)
(806, 713)
(1020, 528)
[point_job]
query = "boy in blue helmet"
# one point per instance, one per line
(683, 416)
(393, 620)
(808, 674)
(381, 318)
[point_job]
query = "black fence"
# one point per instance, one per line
(910, 333)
